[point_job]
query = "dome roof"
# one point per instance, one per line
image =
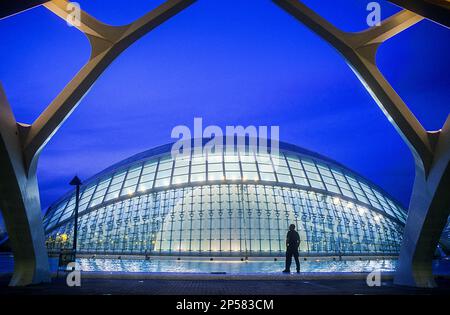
(155, 170)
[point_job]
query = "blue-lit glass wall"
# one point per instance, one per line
(229, 204)
(3, 234)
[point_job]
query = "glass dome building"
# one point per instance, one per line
(228, 205)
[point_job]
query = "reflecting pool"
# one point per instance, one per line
(220, 266)
(202, 266)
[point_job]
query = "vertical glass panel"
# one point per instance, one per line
(249, 169)
(148, 176)
(400, 214)
(198, 177)
(68, 212)
(232, 175)
(132, 178)
(86, 196)
(232, 167)
(298, 173)
(384, 203)
(181, 171)
(215, 176)
(180, 179)
(215, 167)
(312, 173)
(281, 169)
(265, 167)
(57, 213)
(372, 199)
(270, 177)
(252, 176)
(284, 178)
(246, 167)
(100, 192)
(164, 172)
(198, 168)
(115, 186)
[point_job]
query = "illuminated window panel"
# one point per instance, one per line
(100, 191)
(148, 174)
(229, 167)
(270, 177)
(232, 175)
(180, 179)
(68, 212)
(164, 173)
(132, 179)
(115, 186)
(265, 168)
(57, 214)
(247, 167)
(214, 176)
(198, 177)
(253, 176)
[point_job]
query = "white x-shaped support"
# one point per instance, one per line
(107, 43)
(430, 201)
(21, 144)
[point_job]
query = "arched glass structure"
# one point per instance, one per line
(228, 205)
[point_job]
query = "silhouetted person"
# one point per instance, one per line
(292, 244)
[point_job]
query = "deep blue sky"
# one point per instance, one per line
(230, 62)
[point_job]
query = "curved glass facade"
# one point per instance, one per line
(228, 205)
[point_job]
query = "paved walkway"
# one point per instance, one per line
(92, 286)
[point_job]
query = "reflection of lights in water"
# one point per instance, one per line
(234, 266)
(231, 266)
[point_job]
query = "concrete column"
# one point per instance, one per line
(428, 213)
(19, 202)
(20, 144)
(430, 205)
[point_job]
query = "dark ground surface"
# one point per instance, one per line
(219, 287)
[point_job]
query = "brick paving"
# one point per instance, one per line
(217, 287)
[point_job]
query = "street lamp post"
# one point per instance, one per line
(77, 183)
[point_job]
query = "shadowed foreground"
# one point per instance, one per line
(217, 287)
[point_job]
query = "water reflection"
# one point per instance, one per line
(219, 266)
(202, 266)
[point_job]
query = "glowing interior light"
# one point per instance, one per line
(336, 201)
(215, 202)
(361, 210)
(64, 237)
